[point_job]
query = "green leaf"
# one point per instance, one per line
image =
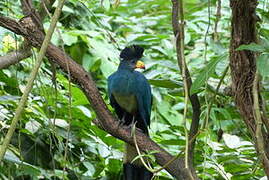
(85, 111)
(251, 47)
(68, 9)
(205, 73)
(106, 4)
(103, 150)
(108, 55)
(232, 141)
(79, 97)
(27, 168)
(107, 67)
(69, 39)
(114, 165)
(165, 83)
(9, 98)
(87, 61)
(263, 64)
(173, 142)
(59, 122)
(90, 169)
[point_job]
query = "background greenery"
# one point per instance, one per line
(56, 131)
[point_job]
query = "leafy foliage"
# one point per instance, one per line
(56, 138)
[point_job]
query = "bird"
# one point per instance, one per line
(130, 95)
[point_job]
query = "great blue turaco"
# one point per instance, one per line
(130, 96)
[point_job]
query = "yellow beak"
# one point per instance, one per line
(140, 65)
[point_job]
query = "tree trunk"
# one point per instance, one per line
(243, 63)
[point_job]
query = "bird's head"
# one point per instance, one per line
(130, 57)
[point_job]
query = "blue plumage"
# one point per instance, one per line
(131, 83)
(130, 96)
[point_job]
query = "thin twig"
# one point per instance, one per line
(218, 16)
(165, 165)
(258, 121)
(207, 29)
(214, 97)
(138, 151)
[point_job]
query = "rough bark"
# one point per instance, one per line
(15, 56)
(34, 35)
(25, 50)
(243, 63)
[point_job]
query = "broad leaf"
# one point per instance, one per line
(251, 47)
(263, 64)
(205, 73)
(165, 83)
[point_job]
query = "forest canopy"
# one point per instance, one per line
(207, 64)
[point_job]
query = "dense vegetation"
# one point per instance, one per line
(56, 136)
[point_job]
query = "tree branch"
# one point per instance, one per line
(193, 98)
(12, 25)
(258, 121)
(45, 4)
(85, 81)
(15, 56)
(218, 16)
(27, 6)
(25, 50)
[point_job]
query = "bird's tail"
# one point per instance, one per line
(134, 170)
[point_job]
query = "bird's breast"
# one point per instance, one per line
(126, 102)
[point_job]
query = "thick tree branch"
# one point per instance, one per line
(15, 56)
(25, 50)
(12, 25)
(85, 81)
(29, 10)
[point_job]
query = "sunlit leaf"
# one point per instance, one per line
(204, 74)
(263, 64)
(106, 4)
(90, 169)
(69, 39)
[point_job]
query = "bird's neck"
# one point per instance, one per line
(124, 65)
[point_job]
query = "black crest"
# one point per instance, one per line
(132, 52)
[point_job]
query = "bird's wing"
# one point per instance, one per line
(144, 97)
(140, 87)
(113, 102)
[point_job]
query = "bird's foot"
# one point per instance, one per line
(121, 123)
